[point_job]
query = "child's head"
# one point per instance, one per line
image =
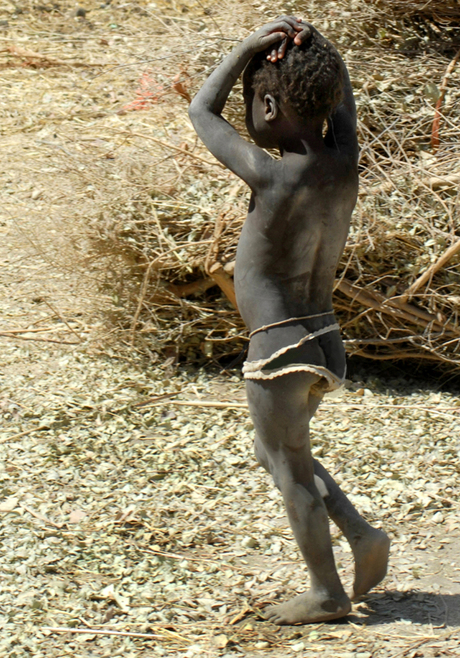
(308, 79)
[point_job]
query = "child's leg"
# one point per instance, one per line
(370, 546)
(280, 412)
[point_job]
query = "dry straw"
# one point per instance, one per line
(156, 226)
(441, 10)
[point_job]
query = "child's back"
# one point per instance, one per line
(294, 236)
(301, 205)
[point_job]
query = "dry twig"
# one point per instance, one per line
(442, 93)
(98, 631)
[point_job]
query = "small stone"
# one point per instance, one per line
(249, 542)
(80, 12)
(76, 516)
(299, 646)
(36, 604)
(261, 645)
(438, 517)
(36, 194)
(368, 393)
(220, 641)
(8, 504)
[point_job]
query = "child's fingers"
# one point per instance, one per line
(272, 38)
(300, 37)
(273, 56)
(282, 48)
(288, 24)
(292, 20)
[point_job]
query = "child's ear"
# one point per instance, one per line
(271, 107)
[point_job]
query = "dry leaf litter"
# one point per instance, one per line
(153, 518)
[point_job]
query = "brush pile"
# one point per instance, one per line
(151, 221)
(443, 11)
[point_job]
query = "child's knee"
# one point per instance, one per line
(261, 454)
(264, 461)
(296, 469)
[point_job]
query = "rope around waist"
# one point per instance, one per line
(265, 327)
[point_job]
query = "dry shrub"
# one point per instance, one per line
(443, 11)
(155, 211)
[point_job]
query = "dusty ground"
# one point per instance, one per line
(119, 516)
(154, 519)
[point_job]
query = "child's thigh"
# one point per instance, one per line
(280, 409)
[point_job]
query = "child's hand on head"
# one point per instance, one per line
(279, 30)
(302, 32)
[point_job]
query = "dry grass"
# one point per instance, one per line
(140, 210)
(444, 11)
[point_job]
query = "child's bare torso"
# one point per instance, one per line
(292, 241)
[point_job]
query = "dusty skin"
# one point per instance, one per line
(313, 606)
(370, 553)
(287, 256)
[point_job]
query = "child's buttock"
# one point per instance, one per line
(319, 351)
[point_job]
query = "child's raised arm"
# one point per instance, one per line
(342, 122)
(246, 160)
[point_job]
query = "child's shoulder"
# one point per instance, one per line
(326, 164)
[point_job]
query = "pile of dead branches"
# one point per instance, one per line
(444, 11)
(156, 225)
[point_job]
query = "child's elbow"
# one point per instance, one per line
(197, 115)
(194, 111)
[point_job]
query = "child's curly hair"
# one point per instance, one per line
(309, 77)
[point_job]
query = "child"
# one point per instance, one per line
(294, 83)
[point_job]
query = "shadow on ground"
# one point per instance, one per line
(404, 377)
(416, 607)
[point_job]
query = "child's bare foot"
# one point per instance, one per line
(371, 560)
(308, 608)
